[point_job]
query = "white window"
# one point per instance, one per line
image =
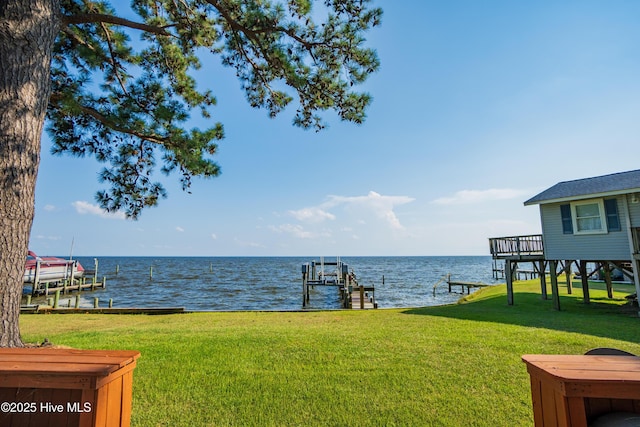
(588, 217)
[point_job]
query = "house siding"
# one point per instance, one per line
(634, 210)
(612, 246)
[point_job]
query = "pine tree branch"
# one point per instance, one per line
(253, 33)
(113, 61)
(75, 38)
(92, 18)
(112, 125)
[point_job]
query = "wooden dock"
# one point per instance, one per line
(46, 309)
(352, 294)
(52, 291)
(67, 286)
(361, 299)
(72, 282)
(462, 284)
(467, 285)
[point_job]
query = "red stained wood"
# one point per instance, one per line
(77, 387)
(572, 390)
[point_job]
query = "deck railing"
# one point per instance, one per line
(516, 245)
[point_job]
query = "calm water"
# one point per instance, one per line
(272, 283)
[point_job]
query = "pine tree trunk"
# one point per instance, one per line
(27, 32)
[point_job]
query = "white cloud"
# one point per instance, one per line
(49, 208)
(214, 236)
(180, 229)
(313, 214)
(381, 206)
(84, 208)
(351, 215)
(297, 231)
(464, 197)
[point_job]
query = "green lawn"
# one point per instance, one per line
(456, 365)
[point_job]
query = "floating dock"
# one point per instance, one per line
(336, 273)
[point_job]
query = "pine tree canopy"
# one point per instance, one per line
(123, 90)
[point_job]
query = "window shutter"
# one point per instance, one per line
(567, 225)
(611, 210)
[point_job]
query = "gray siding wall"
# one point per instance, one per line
(613, 246)
(634, 211)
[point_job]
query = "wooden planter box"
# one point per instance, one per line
(49, 387)
(571, 391)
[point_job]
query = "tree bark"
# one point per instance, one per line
(27, 33)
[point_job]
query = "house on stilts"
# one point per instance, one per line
(586, 222)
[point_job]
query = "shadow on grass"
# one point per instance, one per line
(603, 317)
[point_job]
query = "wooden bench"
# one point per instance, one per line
(66, 387)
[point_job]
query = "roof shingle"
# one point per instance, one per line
(595, 186)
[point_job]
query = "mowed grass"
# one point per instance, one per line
(457, 365)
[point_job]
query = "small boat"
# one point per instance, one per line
(50, 269)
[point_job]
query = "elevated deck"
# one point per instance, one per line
(517, 248)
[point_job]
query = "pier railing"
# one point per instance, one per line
(530, 245)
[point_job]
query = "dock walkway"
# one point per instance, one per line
(47, 309)
(352, 294)
(361, 300)
(467, 285)
(67, 286)
(452, 283)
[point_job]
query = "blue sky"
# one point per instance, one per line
(477, 107)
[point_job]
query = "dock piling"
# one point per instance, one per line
(36, 280)
(305, 287)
